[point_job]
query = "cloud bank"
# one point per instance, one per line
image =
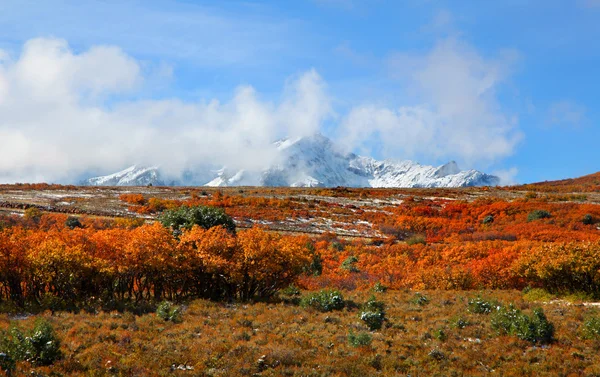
(61, 117)
(66, 114)
(458, 115)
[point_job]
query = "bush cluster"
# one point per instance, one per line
(325, 300)
(186, 217)
(480, 306)
(361, 339)
(535, 328)
(40, 347)
(373, 313)
(167, 311)
(538, 214)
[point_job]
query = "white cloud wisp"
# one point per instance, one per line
(59, 119)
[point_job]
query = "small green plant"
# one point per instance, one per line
(338, 246)
(420, 299)
(591, 328)
(588, 219)
(40, 347)
(167, 311)
(350, 264)
(488, 219)
(536, 329)
(480, 306)
(316, 265)
(290, 291)
(537, 294)
(73, 222)
(459, 323)
(7, 363)
(416, 239)
(362, 339)
(440, 335)
(538, 214)
(379, 288)
(325, 300)
(373, 314)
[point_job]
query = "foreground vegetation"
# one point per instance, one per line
(440, 337)
(413, 282)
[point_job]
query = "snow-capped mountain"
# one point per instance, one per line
(312, 162)
(132, 176)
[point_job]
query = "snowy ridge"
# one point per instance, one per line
(313, 161)
(132, 176)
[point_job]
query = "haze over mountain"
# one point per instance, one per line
(312, 161)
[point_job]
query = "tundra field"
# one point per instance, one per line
(246, 281)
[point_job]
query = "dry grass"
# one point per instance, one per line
(279, 339)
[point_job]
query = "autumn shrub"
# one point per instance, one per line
(561, 268)
(512, 321)
(167, 311)
(362, 339)
(40, 346)
(373, 313)
(325, 300)
(538, 214)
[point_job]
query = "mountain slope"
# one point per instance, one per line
(315, 162)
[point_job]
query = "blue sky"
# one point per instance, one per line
(508, 87)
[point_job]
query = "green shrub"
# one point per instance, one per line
(169, 312)
(591, 328)
(379, 288)
(488, 219)
(480, 306)
(420, 299)
(316, 265)
(350, 264)
(588, 219)
(537, 294)
(7, 363)
(338, 246)
(536, 329)
(416, 239)
(459, 323)
(40, 347)
(73, 222)
(538, 214)
(440, 335)
(290, 291)
(186, 217)
(325, 300)
(373, 314)
(361, 339)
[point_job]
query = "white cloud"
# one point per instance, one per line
(508, 176)
(55, 123)
(456, 116)
(566, 114)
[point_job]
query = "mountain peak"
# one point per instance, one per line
(311, 161)
(449, 168)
